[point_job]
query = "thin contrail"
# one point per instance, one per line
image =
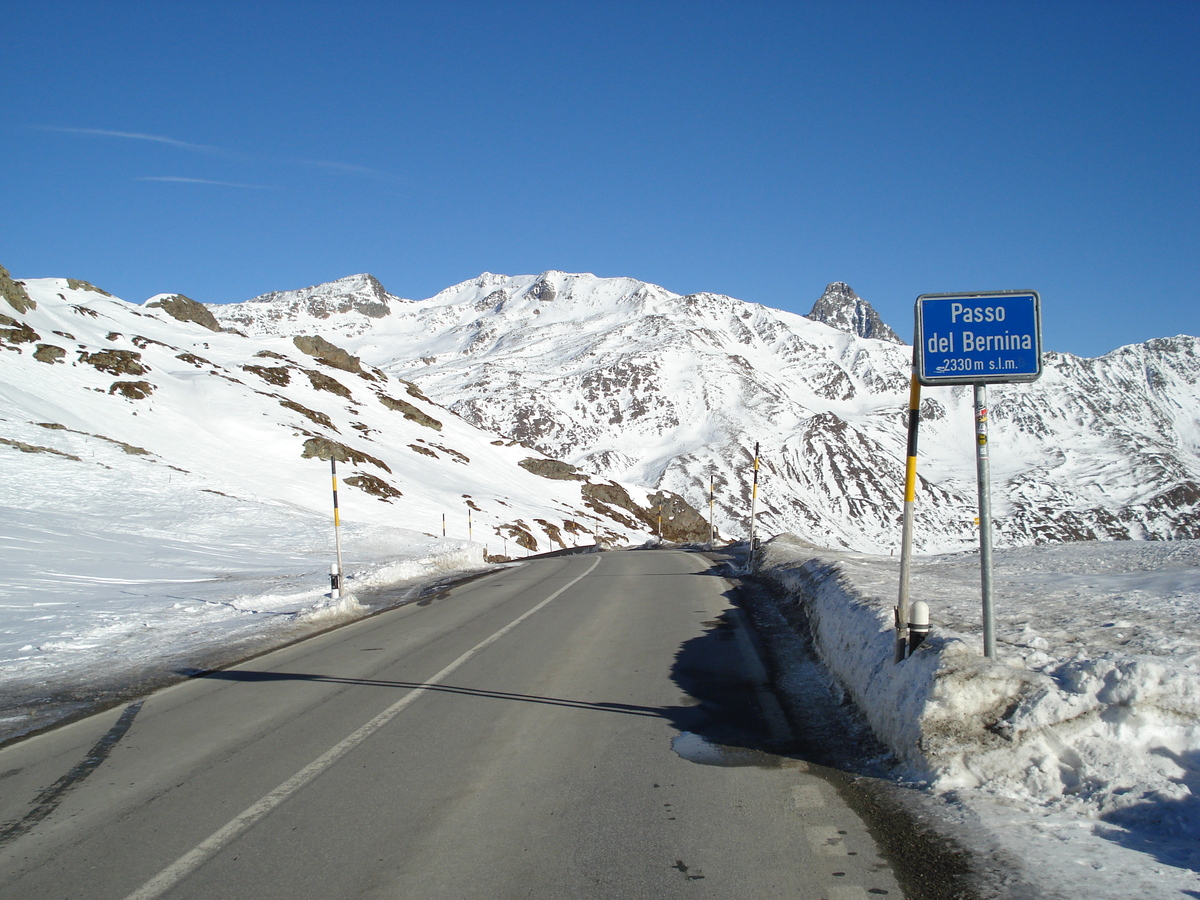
(179, 179)
(137, 136)
(327, 165)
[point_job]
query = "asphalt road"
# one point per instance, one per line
(586, 726)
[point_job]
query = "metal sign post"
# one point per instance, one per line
(983, 478)
(980, 339)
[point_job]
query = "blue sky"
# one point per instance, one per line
(760, 150)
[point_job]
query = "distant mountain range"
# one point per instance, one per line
(257, 420)
(629, 381)
(568, 408)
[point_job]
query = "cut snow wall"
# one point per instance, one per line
(936, 709)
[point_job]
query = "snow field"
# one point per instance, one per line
(1078, 748)
(146, 535)
(158, 565)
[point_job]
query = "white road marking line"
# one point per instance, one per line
(190, 861)
(807, 796)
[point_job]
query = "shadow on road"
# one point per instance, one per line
(722, 722)
(724, 715)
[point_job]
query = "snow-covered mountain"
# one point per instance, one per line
(628, 380)
(255, 420)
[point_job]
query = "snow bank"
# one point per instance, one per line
(854, 637)
(92, 609)
(1088, 717)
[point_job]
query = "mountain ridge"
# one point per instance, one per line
(249, 418)
(635, 382)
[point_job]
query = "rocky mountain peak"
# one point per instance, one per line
(544, 289)
(839, 307)
(356, 294)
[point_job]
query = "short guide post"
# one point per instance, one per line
(337, 531)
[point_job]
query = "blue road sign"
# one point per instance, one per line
(979, 338)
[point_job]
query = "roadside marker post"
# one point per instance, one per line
(712, 527)
(980, 339)
(337, 534)
(910, 497)
(753, 512)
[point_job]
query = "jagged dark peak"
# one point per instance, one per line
(839, 307)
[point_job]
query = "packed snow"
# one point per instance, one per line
(1076, 750)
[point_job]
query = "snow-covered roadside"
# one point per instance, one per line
(1077, 750)
(183, 519)
(92, 606)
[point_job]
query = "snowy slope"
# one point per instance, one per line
(1077, 750)
(166, 485)
(255, 417)
(629, 380)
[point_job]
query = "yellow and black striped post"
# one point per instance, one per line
(712, 527)
(337, 531)
(753, 511)
(910, 496)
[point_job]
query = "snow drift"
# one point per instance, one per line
(1089, 714)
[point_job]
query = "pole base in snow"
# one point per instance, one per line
(918, 625)
(916, 636)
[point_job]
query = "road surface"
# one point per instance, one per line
(583, 726)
